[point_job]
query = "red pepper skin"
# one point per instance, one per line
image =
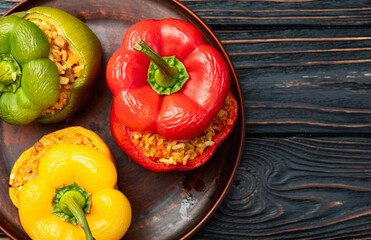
(179, 116)
(123, 138)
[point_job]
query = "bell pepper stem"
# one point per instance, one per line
(71, 203)
(76, 210)
(10, 73)
(168, 73)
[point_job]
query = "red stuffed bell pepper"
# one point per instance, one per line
(172, 105)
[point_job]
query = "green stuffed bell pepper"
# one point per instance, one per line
(49, 61)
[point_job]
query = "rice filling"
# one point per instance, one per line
(28, 170)
(180, 152)
(67, 62)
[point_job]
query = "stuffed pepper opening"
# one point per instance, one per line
(26, 167)
(59, 59)
(67, 62)
(179, 152)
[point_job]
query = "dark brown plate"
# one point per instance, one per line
(165, 205)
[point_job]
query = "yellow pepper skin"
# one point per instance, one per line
(95, 138)
(63, 164)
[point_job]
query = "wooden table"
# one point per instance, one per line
(305, 71)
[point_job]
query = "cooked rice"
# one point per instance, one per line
(28, 170)
(67, 63)
(180, 152)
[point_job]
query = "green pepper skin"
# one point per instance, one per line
(84, 44)
(39, 81)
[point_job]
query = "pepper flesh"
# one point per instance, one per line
(64, 164)
(97, 141)
(38, 85)
(85, 45)
(28, 106)
(92, 168)
(181, 115)
(124, 139)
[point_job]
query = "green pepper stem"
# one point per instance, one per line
(168, 73)
(76, 210)
(10, 73)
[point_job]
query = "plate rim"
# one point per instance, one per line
(187, 12)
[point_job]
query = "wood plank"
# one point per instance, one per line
(273, 12)
(303, 80)
(308, 99)
(6, 5)
(295, 188)
(281, 12)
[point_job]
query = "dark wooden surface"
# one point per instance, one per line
(305, 69)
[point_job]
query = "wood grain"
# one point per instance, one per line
(283, 12)
(5, 5)
(303, 80)
(297, 188)
(167, 205)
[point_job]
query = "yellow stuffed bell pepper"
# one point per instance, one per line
(25, 168)
(73, 195)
